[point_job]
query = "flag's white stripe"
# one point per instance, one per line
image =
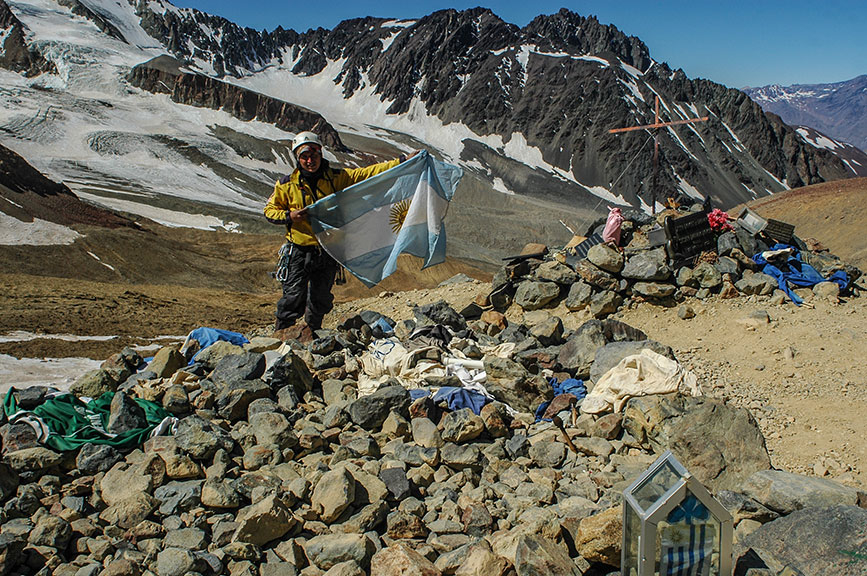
(370, 231)
(427, 207)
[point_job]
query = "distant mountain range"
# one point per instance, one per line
(185, 117)
(838, 110)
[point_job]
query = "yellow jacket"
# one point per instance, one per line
(293, 193)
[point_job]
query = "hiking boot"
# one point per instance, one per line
(299, 332)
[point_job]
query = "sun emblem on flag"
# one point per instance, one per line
(397, 215)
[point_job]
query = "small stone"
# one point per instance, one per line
(685, 312)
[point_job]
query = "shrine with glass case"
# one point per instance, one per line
(672, 526)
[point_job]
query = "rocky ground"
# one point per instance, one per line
(799, 373)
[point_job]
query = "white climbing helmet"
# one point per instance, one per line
(305, 138)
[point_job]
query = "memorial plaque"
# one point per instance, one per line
(689, 236)
(779, 231)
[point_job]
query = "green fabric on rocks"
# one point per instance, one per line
(65, 422)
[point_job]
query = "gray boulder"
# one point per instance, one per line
(329, 550)
(229, 370)
(175, 562)
(683, 424)
(756, 283)
(817, 540)
(290, 370)
(579, 296)
(166, 362)
(727, 242)
(94, 384)
(370, 412)
(51, 531)
(535, 295)
(606, 257)
(333, 494)
(536, 554)
(553, 271)
(264, 521)
(201, 439)
(461, 426)
(125, 415)
(596, 277)
(653, 290)
(234, 399)
(459, 456)
(425, 433)
(605, 303)
(707, 276)
(273, 429)
(647, 266)
(785, 492)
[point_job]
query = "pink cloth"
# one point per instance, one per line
(611, 233)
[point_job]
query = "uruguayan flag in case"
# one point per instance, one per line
(366, 226)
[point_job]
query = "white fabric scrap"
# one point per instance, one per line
(639, 375)
(387, 357)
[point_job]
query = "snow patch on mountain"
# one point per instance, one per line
(818, 140)
(14, 232)
(170, 218)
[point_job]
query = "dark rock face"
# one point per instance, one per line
(15, 55)
(32, 193)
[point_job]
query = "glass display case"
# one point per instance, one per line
(672, 526)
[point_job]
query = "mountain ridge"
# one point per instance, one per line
(839, 109)
(472, 67)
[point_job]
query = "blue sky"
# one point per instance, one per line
(734, 42)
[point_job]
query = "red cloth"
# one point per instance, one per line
(611, 233)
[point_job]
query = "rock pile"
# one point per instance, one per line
(645, 270)
(280, 465)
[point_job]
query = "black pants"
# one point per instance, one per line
(307, 288)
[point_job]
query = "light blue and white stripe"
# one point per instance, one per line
(366, 226)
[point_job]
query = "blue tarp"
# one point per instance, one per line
(458, 398)
(207, 336)
(793, 272)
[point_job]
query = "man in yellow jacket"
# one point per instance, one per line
(310, 271)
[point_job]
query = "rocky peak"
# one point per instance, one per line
(576, 34)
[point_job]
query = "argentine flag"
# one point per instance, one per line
(366, 226)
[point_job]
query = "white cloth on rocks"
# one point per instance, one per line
(387, 357)
(639, 375)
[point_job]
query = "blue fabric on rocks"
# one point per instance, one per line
(568, 386)
(795, 272)
(207, 336)
(458, 398)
